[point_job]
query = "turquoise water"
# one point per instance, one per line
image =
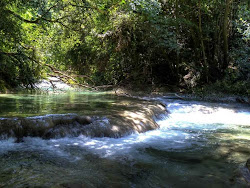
(87, 103)
(198, 145)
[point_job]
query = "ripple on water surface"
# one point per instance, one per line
(199, 145)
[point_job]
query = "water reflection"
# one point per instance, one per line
(72, 102)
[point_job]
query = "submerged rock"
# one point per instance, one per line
(248, 164)
(242, 175)
(245, 172)
(72, 185)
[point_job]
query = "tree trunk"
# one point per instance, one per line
(177, 34)
(226, 34)
(205, 64)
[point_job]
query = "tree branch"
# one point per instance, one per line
(39, 18)
(62, 74)
(9, 53)
(89, 7)
(21, 18)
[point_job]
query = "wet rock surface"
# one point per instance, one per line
(242, 175)
(41, 126)
(136, 119)
(248, 164)
(246, 171)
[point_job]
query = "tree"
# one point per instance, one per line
(175, 42)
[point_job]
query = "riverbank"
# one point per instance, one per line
(176, 93)
(55, 85)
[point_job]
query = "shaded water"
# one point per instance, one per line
(198, 145)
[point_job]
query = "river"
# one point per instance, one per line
(199, 144)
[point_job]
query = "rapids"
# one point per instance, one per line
(199, 144)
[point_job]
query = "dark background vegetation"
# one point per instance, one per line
(190, 44)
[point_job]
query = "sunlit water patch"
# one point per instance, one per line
(198, 145)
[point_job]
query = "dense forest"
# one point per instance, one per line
(183, 43)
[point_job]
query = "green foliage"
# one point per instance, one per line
(125, 46)
(240, 68)
(176, 42)
(228, 87)
(243, 21)
(16, 68)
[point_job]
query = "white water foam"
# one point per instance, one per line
(58, 84)
(201, 115)
(176, 132)
(183, 129)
